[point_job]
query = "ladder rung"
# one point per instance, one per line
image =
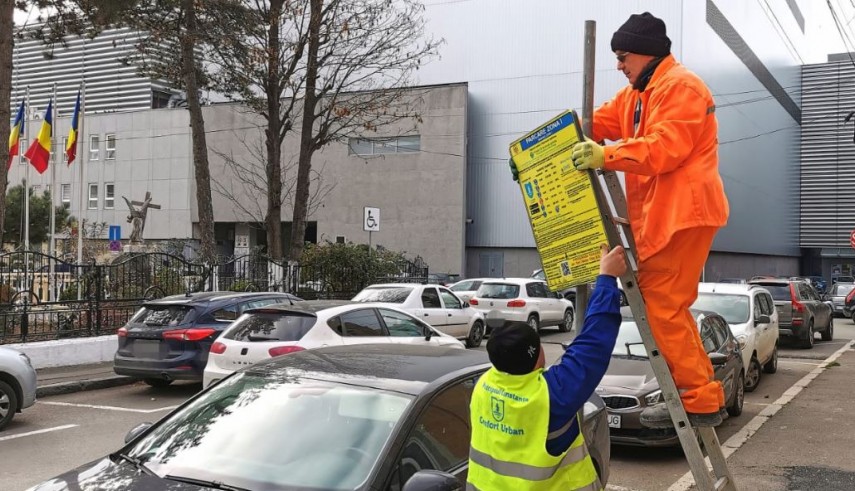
(620, 220)
(721, 483)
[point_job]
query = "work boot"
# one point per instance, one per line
(658, 417)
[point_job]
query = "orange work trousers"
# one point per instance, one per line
(668, 281)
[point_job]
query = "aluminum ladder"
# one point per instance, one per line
(615, 221)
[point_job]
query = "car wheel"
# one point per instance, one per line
(157, 382)
(735, 407)
(8, 404)
(566, 323)
(533, 323)
(771, 366)
(752, 379)
(828, 334)
(807, 343)
(476, 334)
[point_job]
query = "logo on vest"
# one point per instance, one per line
(498, 408)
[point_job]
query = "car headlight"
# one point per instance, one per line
(654, 397)
(26, 359)
(742, 339)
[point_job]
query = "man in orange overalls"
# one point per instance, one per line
(667, 144)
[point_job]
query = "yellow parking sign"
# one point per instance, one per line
(560, 203)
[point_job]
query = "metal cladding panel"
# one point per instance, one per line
(828, 155)
(523, 63)
(112, 83)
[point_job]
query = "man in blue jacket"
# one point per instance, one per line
(525, 429)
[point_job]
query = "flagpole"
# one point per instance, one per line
(82, 145)
(52, 251)
(27, 178)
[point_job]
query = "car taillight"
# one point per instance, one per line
(284, 350)
(850, 296)
(798, 307)
(473, 301)
(122, 332)
(218, 348)
(517, 303)
(195, 334)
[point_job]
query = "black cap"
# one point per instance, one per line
(514, 348)
(643, 34)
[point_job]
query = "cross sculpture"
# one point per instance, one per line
(138, 215)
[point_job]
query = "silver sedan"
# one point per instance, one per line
(17, 384)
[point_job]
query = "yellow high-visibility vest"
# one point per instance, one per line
(510, 426)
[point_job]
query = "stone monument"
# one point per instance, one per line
(137, 219)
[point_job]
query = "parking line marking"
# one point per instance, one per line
(740, 437)
(108, 408)
(36, 432)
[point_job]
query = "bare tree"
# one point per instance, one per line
(257, 61)
(360, 59)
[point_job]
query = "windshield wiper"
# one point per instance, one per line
(202, 482)
(135, 462)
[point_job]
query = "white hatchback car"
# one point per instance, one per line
(524, 300)
(465, 289)
(434, 304)
(280, 329)
(751, 313)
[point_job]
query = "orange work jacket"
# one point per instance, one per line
(670, 156)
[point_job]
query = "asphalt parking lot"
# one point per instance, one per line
(62, 432)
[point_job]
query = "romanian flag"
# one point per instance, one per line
(39, 151)
(15, 135)
(71, 143)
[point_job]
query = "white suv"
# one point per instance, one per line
(524, 300)
(750, 311)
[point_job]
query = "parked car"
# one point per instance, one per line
(737, 281)
(568, 293)
(434, 304)
(465, 289)
(630, 386)
(837, 295)
(801, 311)
(753, 319)
(839, 278)
(444, 279)
(17, 384)
(346, 417)
(524, 300)
(819, 283)
(169, 339)
(282, 329)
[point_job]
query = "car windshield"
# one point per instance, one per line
(275, 432)
(629, 340)
(465, 286)
(271, 326)
(780, 293)
(162, 315)
(733, 307)
(841, 290)
(498, 290)
(383, 294)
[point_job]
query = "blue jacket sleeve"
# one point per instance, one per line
(573, 379)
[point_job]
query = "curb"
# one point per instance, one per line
(83, 385)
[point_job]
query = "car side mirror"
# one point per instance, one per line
(428, 333)
(762, 319)
(136, 431)
(431, 480)
(717, 359)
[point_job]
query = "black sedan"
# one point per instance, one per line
(365, 417)
(170, 338)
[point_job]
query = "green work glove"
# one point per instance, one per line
(588, 155)
(514, 172)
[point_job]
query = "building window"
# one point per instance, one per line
(94, 145)
(110, 147)
(93, 196)
(65, 194)
(382, 146)
(62, 150)
(109, 196)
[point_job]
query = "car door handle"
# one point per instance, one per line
(449, 315)
(426, 314)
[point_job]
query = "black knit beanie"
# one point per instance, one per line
(642, 34)
(514, 348)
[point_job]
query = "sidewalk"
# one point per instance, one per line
(64, 380)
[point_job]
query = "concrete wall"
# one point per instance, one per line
(68, 352)
(420, 195)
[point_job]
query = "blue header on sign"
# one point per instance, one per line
(115, 232)
(550, 129)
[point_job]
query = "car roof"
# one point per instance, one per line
(306, 306)
(395, 285)
(400, 367)
(521, 281)
(626, 313)
(730, 288)
(773, 281)
(211, 297)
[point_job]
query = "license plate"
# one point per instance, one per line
(146, 348)
(614, 420)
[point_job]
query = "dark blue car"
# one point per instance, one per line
(169, 338)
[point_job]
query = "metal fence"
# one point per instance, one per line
(44, 298)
